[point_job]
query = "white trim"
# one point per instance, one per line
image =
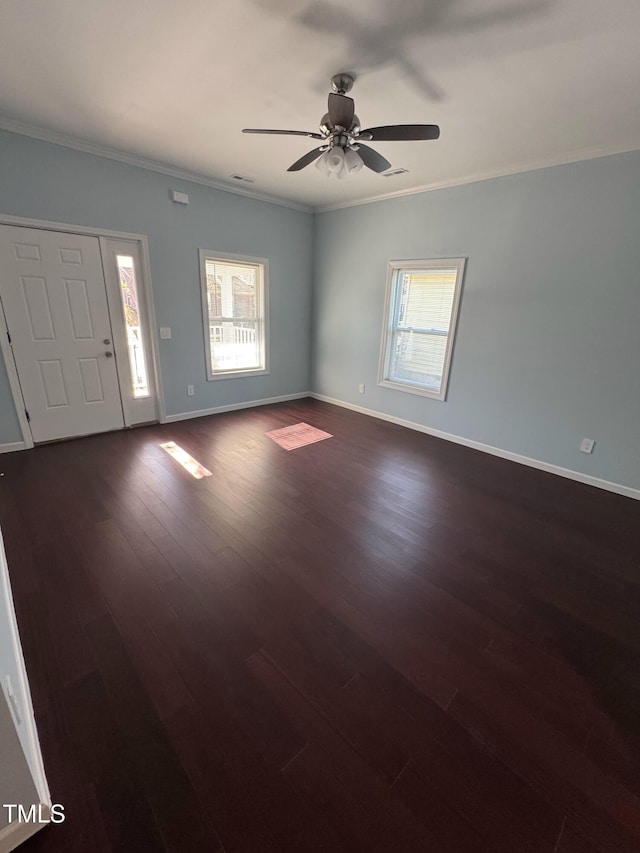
(56, 138)
(52, 136)
(489, 174)
(13, 446)
(153, 325)
(15, 834)
(390, 318)
(217, 410)
(66, 227)
(568, 473)
(14, 381)
(263, 299)
(135, 411)
(22, 687)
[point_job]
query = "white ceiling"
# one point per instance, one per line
(513, 84)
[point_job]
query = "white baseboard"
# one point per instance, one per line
(201, 413)
(607, 485)
(14, 445)
(16, 833)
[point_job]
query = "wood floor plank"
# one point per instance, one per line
(332, 778)
(602, 808)
(145, 750)
(450, 830)
(382, 641)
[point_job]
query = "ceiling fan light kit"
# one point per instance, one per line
(343, 152)
(339, 162)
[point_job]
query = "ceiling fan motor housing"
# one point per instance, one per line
(327, 129)
(340, 140)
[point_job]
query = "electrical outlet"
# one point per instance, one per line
(190, 391)
(361, 387)
(586, 445)
(165, 333)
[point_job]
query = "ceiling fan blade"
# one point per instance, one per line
(284, 132)
(372, 159)
(309, 157)
(341, 110)
(401, 132)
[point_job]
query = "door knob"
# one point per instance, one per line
(106, 341)
(109, 354)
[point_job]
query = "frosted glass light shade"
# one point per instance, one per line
(352, 162)
(335, 160)
(339, 162)
(321, 164)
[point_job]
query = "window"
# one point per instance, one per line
(234, 311)
(419, 326)
(135, 343)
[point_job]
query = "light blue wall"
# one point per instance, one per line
(548, 345)
(39, 180)
(548, 341)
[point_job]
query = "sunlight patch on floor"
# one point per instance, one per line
(298, 435)
(188, 462)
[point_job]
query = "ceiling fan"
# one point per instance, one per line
(343, 151)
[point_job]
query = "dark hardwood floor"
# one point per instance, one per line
(379, 642)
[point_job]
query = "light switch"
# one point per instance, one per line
(165, 333)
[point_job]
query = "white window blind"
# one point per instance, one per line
(422, 299)
(234, 311)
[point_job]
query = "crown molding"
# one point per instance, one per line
(56, 138)
(66, 141)
(532, 166)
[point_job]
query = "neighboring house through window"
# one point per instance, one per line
(234, 302)
(419, 327)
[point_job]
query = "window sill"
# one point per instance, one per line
(236, 374)
(413, 389)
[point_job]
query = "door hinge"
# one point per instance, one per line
(9, 335)
(27, 414)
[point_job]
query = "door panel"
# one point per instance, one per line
(54, 299)
(53, 385)
(79, 310)
(91, 383)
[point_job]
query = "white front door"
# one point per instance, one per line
(55, 305)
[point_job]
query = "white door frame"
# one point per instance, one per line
(145, 282)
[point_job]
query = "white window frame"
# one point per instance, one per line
(394, 275)
(262, 312)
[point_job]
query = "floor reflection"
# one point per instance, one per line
(188, 462)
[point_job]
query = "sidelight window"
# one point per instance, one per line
(133, 327)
